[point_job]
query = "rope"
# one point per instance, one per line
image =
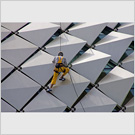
(75, 90)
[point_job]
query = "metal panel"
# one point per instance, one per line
(38, 33)
(15, 50)
(4, 33)
(128, 63)
(13, 26)
(127, 28)
(114, 44)
(87, 31)
(95, 101)
(91, 64)
(130, 105)
(39, 67)
(5, 69)
(112, 25)
(116, 84)
(6, 107)
(63, 25)
(69, 45)
(45, 102)
(18, 89)
(67, 91)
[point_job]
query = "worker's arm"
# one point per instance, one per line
(65, 62)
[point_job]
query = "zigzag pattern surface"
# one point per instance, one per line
(100, 57)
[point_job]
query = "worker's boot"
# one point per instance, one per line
(62, 79)
(49, 90)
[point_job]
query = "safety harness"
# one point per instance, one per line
(59, 64)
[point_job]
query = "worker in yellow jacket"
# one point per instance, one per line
(60, 66)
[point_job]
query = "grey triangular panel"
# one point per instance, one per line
(39, 67)
(38, 33)
(127, 28)
(128, 63)
(69, 45)
(18, 89)
(130, 105)
(4, 33)
(67, 91)
(114, 44)
(13, 26)
(5, 107)
(91, 64)
(112, 25)
(15, 50)
(45, 102)
(63, 25)
(87, 31)
(117, 84)
(5, 68)
(95, 101)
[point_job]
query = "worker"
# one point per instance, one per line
(60, 66)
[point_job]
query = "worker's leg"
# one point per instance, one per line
(55, 75)
(65, 71)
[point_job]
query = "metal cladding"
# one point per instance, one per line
(116, 84)
(95, 101)
(38, 33)
(68, 44)
(100, 57)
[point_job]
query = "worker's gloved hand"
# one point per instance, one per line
(70, 65)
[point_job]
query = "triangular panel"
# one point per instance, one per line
(127, 28)
(116, 84)
(15, 50)
(87, 31)
(95, 101)
(69, 90)
(45, 102)
(91, 64)
(18, 89)
(128, 63)
(38, 33)
(5, 68)
(69, 45)
(114, 44)
(39, 67)
(13, 26)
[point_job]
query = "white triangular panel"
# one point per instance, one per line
(13, 26)
(117, 83)
(91, 64)
(4, 33)
(39, 67)
(95, 101)
(63, 25)
(112, 25)
(114, 44)
(18, 89)
(130, 105)
(5, 107)
(67, 91)
(45, 102)
(70, 46)
(38, 33)
(128, 63)
(15, 50)
(5, 68)
(127, 28)
(87, 31)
